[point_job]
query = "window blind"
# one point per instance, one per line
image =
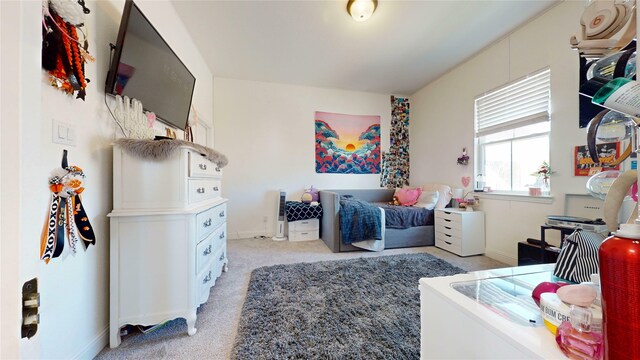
(517, 104)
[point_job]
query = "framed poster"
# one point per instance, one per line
(347, 144)
(583, 165)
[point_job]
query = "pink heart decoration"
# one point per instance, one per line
(466, 180)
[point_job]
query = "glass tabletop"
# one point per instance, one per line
(508, 296)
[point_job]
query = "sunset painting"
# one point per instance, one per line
(347, 144)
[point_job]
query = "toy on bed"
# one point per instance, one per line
(310, 195)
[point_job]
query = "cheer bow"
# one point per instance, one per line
(66, 214)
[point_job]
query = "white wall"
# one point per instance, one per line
(267, 132)
(443, 115)
(74, 292)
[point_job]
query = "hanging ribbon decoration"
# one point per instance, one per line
(66, 215)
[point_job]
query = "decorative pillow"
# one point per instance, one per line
(428, 200)
(408, 196)
(444, 194)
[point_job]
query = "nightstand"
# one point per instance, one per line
(460, 232)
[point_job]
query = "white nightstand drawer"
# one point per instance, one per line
(460, 232)
(306, 235)
(449, 246)
(449, 215)
(304, 225)
(448, 229)
(450, 239)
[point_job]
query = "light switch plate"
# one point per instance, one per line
(62, 133)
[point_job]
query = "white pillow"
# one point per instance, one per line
(444, 193)
(428, 200)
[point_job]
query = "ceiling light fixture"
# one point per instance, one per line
(361, 10)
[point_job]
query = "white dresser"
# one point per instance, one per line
(460, 232)
(168, 238)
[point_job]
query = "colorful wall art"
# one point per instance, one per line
(347, 144)
(584, 166)
(395, 162)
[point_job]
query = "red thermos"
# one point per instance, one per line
(620, 285)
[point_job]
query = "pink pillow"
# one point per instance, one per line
(408, 196)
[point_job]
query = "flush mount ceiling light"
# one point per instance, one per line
(361, 10)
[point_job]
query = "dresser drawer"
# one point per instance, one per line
(199, 166)
(202, 189)
(207, 278)
(219, 237)
(205, 223)
(204, 253)
(449, 229)
(304, 225)
(219, 215)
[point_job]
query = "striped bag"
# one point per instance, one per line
(578, 257)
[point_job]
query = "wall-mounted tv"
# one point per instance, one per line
(144, 67)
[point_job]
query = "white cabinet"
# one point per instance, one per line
(304, 230)
(460, 232)
(168, 238)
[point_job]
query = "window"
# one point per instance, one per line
(512, 125)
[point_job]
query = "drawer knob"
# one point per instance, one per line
(447, 220)
(207, 278)
(217, 169)
(446, 212)
(221, 257)
(207, 251)
(447, 235)
(448, 243)
(448, 228)
(215, 188)
(222, 235)
(207, 223)
(203, 166)
(221, 213)
(200, 190)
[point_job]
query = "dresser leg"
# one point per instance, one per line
(225, 267)
(114, 336)
(191, 324)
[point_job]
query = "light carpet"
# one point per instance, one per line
(354, 309)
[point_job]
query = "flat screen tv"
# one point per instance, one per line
(144, 67)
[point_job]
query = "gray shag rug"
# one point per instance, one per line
(366, 308)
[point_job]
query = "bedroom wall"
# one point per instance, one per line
(75, 291)
(443, 123)
(267, 132)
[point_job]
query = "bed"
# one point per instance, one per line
(393, 238)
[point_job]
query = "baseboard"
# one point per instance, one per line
(249, 235)
(94, 347)
(502, 257)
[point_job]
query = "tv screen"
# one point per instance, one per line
(145, 68)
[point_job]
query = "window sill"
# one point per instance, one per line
(523, 197)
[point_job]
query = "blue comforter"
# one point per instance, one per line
(359, 221)
(404, 217)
